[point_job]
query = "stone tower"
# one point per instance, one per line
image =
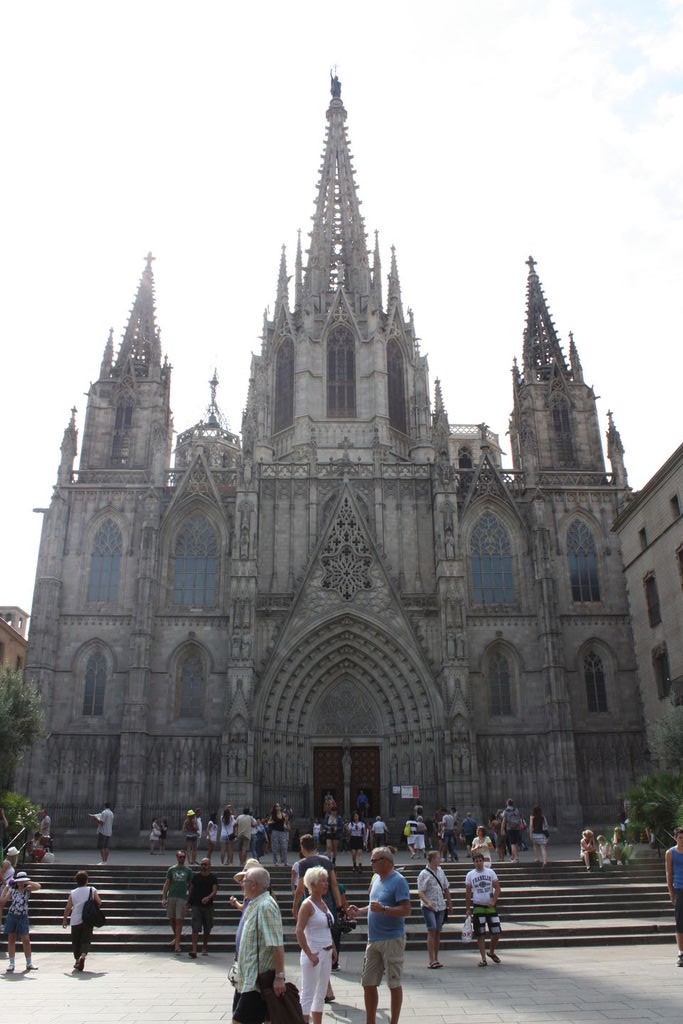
(353, 595)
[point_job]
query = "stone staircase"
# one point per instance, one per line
(561, 906)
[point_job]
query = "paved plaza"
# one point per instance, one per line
(568, 985)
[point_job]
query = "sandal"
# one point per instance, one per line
(433, 966)
(494, 957)
(482, 963)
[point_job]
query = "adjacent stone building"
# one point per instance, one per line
(650, 531)
(353, 594)
(13, 642)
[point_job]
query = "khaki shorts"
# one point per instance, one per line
(385, 955)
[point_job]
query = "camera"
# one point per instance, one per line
(344, 924)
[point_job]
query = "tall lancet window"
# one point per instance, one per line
(397, 386)
(341, 374)
(105, 563)
(562, 429)
(491, 562)
(284, 386)
(95, 681)
(196, 565)
(583, 562)
(120, 448)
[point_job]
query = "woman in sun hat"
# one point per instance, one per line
(17, 923)
(191, 834)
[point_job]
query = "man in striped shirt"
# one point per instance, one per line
(261, 949)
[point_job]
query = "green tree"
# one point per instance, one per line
(656, 802)
(21, 815)
(21, 720)
(667, 739)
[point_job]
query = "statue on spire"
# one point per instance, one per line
(335, 84)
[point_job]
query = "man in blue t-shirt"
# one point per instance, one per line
(386, 912)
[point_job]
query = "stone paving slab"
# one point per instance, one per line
(570, 986)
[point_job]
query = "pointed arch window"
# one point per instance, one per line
(491, 562)
(594, 678)
(196, 565)
(341, 374)
(583, 562)
(95, 683)
(284, 386)
(562, 430)
(190, 686)
(397, 386)
(123, 421)
(500, 684)
(105, 563)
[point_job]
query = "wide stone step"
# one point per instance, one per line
(561, 906)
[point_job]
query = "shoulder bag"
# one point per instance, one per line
(92, 912)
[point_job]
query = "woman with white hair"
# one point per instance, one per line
(314, 934)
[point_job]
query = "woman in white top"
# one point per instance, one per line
(227, 834)
(356, 831)
(482, 844)
(211, 835)
(314, 935)
(81, 934)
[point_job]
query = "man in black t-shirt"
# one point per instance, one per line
(311, 859)
(203, 888)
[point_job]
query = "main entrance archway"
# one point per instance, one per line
(343, 773)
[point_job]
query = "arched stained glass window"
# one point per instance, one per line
(341, 374)
(196, 565)
(500, 685)
(284, 386)
(95, 682)
(191, 686)
(583, 562)
(105, 564)
(594, 676)
(397, 387)
(491, 562)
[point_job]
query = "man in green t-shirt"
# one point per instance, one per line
(174, 897)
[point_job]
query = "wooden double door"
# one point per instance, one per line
(328, 778)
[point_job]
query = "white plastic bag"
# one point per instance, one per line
(467, 930)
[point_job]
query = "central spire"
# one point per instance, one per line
(338, 254)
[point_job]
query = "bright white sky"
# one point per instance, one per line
(482, 132)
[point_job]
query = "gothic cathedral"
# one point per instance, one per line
(355, 593)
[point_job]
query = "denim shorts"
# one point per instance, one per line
(16, 924)
(433, 918)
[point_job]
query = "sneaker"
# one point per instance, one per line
(31, 967)
(680, 960)
(10, 968)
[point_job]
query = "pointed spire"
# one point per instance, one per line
(615, 453)
(438, 398)
(377, 275)
(142, 342)
(338, 250)
(574, 361)
(283, 281)
(298, 274)
(440, 426)
(542, 347)
(214, 417)
(394, 283)
(108, 356)
(68, 448)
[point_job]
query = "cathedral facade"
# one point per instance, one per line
(353, 594)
